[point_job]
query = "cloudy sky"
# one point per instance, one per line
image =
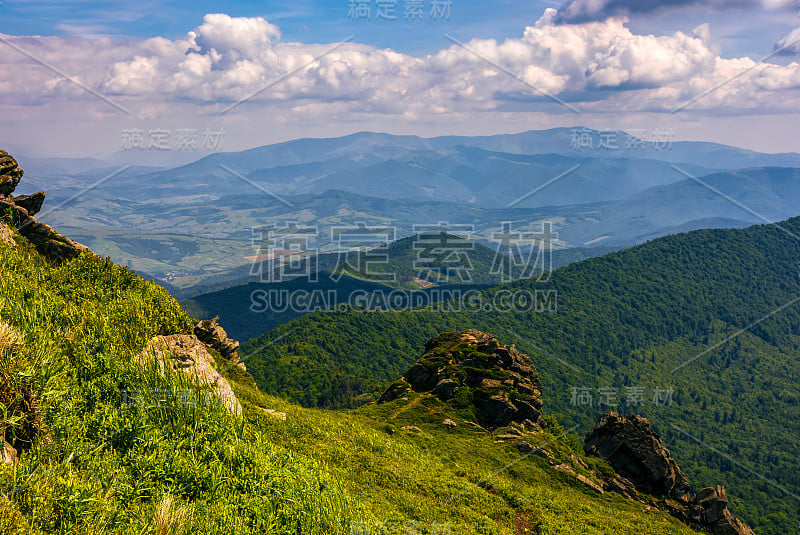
(80, 77)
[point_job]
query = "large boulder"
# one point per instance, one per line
(714, 502)
(10, 174)
(636, 453)
(185, 353)
(501, 382)
(50, 243)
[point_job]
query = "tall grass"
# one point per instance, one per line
(101, 460)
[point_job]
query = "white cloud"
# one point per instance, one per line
(226, 59)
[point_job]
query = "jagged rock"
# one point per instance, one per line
(476, 426)
(20, 210)
(31, 203)
(10, 174)
(567, 469)
(395, 390)
(641, 461)
(449, 423)
(5, 235)
(501, 382)
(622, 486)
(714, 502)
(578, 461)
(50, 243)
(185, 353)
(210, 332)
(636, 453)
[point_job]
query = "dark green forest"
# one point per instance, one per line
(705, 326)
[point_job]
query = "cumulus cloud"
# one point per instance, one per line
(579, 11)
(226, 59)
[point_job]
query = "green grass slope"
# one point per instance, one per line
(89, 463)
(711, 316)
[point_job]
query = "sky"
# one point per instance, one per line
(87, 78)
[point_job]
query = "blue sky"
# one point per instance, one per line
(743, 31)
(171, 65)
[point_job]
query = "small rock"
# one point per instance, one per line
(449, 423)
(411, 428)
(9, 453)
(279, 415)
(476, 426)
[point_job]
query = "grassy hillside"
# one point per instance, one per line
(89, 463)
(711, 316)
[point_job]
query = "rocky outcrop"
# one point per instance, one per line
(214, 336)
(19, 211)
(185, 353)
(644, 465)
(501, 382)
(636, 453)
(31, 203)
(10, 173)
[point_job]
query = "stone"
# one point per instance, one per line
(31, 203)
(214, 336)
(643, 464)
(50, 243)
(10, 174)
(9, 453)
(185, 353)
(20, 210)
(714, 503)
(476, 426)
(623, 487)
(635, 452)
(445, 389)
(567, 469)
(449, 423)
(395, 390)
(411, 428)
(502, 383)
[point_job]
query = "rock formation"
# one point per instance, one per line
(636, 453)
(19, 211)
(185, 353)
(10, 174)
(214, 336)
(501, 382)
(642, 463)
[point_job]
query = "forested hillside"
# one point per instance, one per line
(706, 325)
